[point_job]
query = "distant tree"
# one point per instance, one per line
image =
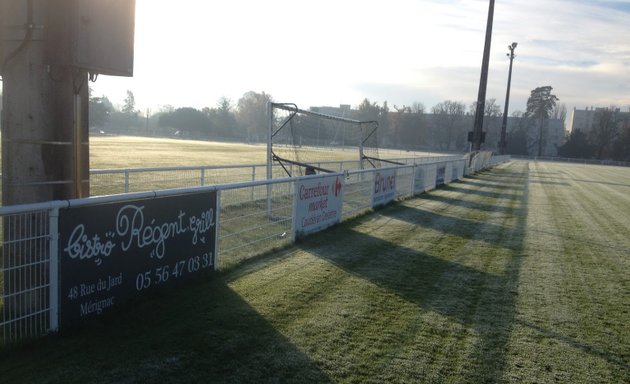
(604, 130)
(398, 123)
(384, 124)
(517, 142)
(517, 134)
(223, 119)
(252, 115)
(166, 108)
(224, 105)
(100, 110)
(621, 148)
(540, 104)
(559, 112)
(408, 126)
(367, 111)
(127, 117)
(448, 118)
(417, 107)
(491, 121)
(491, 108)
(372, 111)
(576, 146)
(130, 103)
(189, 121)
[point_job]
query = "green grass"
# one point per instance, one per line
(111, 152)
(141, 152)
(519, 274)
(127, 152)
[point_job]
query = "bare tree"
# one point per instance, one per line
(517, 134)
(448, 117)
(252, 115)
(559, 112)
(408, 125)
(604, 130)
(491, 108)
(621, 147)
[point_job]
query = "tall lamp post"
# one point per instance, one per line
(503, 142)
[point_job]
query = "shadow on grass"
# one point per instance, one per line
(464, 203)
(484, 302)
(543, 182)
(202, 333)
(411, 274)
(588, 348)
(484, 183)
(471, 191)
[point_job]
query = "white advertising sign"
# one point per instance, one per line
(430, 176)
(318, 203)
(418, 180)
(384, 187)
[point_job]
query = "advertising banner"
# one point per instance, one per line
(448, 175)
(318, 203)
(440, 175)
(430, 176)
(418, 180)
(384, 187)
(109, 253)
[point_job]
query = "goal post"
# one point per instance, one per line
(302, 142)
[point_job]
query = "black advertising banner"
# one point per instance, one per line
(109, 253)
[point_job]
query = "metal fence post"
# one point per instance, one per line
(203, 176)
(253, 179)
(54, 268)
(217, 234)
(126, 181)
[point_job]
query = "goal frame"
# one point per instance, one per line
(293, 109)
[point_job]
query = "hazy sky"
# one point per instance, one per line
(331, 52)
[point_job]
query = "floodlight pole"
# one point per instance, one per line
(503, 142)
(483, 82)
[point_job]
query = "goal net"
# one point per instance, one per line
(305, 142)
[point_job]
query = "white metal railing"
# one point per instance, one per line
(248, 226)
(112, 181)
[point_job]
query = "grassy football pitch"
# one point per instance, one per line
(109, 152)
(518, 274)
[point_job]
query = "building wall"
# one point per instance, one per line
(584, 119)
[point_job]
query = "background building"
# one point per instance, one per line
(585, 119)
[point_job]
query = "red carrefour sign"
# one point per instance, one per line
(318, 203)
